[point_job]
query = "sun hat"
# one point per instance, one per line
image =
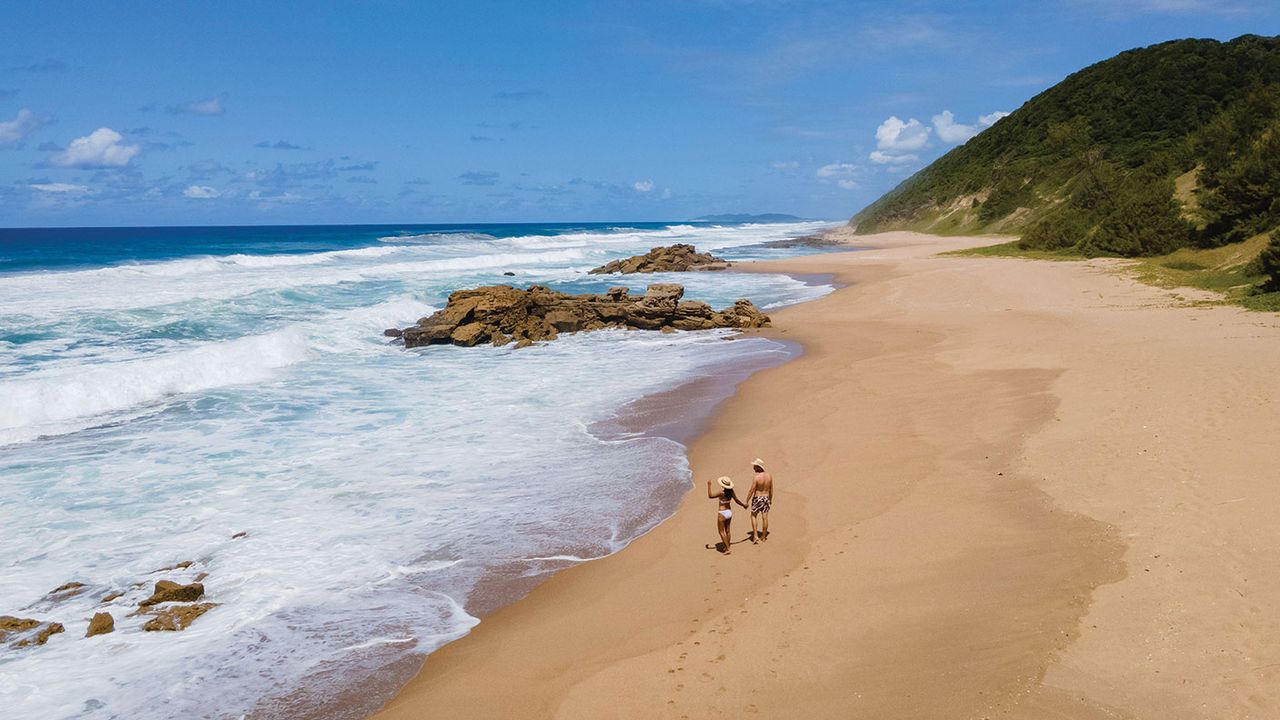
(725, 482)
(758, 463)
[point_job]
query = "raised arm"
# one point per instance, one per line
(710, 493)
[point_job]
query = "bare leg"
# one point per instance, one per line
(722, 528)
(764, 522)
(728, 537)
(755, 531)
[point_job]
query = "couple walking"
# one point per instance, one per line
(760, 495)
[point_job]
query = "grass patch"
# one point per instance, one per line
(1011, 250)
(1228, 270)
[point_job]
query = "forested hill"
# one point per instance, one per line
(1157, 148)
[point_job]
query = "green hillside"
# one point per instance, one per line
(1170, 146)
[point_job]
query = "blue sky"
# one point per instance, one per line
(131, 113)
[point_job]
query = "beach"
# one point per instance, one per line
(1005, 488)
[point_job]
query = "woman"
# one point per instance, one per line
(723, 492)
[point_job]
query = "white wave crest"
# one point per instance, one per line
(57, 403)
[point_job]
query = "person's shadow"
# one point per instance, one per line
(719, 547)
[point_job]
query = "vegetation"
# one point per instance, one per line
(1237, 271)
(1158, 150)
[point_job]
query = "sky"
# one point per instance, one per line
(182, 113)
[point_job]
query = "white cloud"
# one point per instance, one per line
(643, 186)
(201, 192)
(839, 173)
(99, 149)
(991, 119)
(12, 131)
(953, 132)
(784, 165)
(897, 140)
(896, 135)
(884, 158)
(209, 106)
(836, 170)
(61, 188)
(1128, 8)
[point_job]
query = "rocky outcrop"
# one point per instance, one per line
(176, 617)
(25, 632)
(69, 590)
(169, 591)
(101, 624)
(672, 258)
(500, 314)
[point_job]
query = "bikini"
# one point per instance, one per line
(726, 507)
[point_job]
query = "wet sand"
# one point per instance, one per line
(1004, 489)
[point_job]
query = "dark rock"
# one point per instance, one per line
(509, 273)
(69, 590)
(245, 533)
(391, 332)
(26, 632)
(500, 314)
(169, 591)
(176, 617)
(821, 240)
(672, 258)
(112, 596)
(101, 624)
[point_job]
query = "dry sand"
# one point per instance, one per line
(1005, 489)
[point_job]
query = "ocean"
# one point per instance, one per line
(224, 396)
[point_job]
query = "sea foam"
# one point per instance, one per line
(155, 411)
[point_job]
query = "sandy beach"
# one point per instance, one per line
(1005, 489)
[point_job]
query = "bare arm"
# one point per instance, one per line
(739, 501)
(710, 492)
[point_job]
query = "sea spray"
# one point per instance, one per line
(354, 504)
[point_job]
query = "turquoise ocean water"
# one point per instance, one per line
(165, 389)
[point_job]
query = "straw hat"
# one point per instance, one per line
(758, 463)
(725, 482)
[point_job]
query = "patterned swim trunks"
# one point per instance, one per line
(760, 503)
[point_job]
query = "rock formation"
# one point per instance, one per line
(101, 624)
(24, 632)
(169, 591)
(500, 314)
(673, 258)
(66, 591)
(176, 617)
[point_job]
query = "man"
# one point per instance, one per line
(761, 498)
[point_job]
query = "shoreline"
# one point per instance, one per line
(929, 557)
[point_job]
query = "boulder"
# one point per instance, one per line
(26, 632)
(663, 295)
(69, 590)
(672, 258)
(169, 591)
(101, 624)
(501, 314)
(176, 617)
